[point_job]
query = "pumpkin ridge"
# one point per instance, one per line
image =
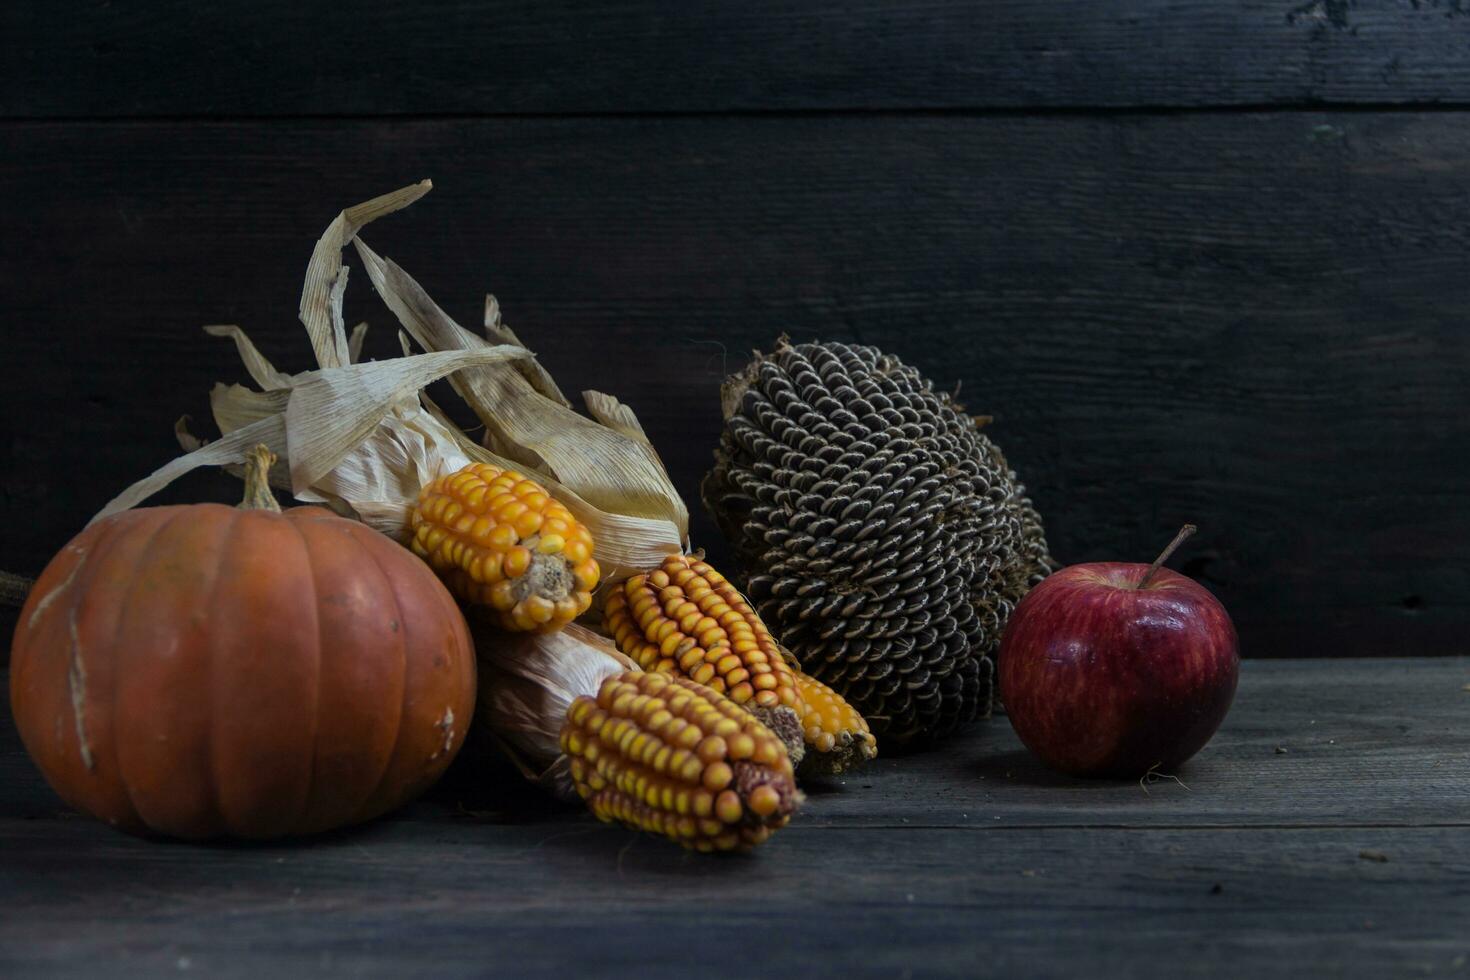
(471, 665)
(402, 620)
(261, 810)
(100, 550)
(217, 811)
(316, 708)
(72, 600)
(127, 600)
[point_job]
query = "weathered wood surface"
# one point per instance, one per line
(1349, 855)
(1252, 321)
(269, 57)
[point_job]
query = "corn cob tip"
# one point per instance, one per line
(836, 736)
(768, 797)
(783, 721)
(848, 751)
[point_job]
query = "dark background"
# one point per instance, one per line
(1201, 261)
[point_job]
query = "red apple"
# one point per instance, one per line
(1116, 669)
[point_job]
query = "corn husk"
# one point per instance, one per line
(363, 438)
(527, 683)
(528, 420)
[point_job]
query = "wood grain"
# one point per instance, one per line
(1251, 321)
(1351, 743)
(1183, 290)
(269, 57)
(879, 877)
(528, 902)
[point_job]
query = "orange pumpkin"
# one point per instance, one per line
(203, 671)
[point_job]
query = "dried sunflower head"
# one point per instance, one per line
(885, 536)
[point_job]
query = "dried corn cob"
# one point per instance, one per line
(684, 618)
(669, 756)
(498, 539)
(837, 737)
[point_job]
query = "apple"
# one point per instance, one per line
(1118, 669)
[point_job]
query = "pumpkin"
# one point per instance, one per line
(201, 671)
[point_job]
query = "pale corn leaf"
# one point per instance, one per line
(497, 332)
(615, 415)
(374, 476)
(493, 323)
(354, 342)
(328, 339)
(606, 468)
(380, 476)
(188, 441)
(223, 451)
(528, 681)
(557, 780)
(625, 545)
(261, 370)
(335, 298)
(333, 410)
(235, 406)
(364, 439)
(280, 473)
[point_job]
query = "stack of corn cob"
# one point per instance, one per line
(693, 726)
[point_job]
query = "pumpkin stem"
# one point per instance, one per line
(258, 495)
(14, 589)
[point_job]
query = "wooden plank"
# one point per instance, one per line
(1255, 322)
(270, 57)
(1361, 743)
(501, 882)
(525, 902)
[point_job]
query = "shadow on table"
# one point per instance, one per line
(1021, 768)
(611, 851)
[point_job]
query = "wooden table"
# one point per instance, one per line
(1325, 831)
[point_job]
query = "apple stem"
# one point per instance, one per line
(1180, 538)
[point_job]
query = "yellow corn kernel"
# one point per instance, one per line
(646, 778)
(485, 531)
(685, 618)
(837, 737)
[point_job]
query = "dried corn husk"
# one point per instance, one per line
(526, 418)
(362, 438)
(354, 436)
(527, 682)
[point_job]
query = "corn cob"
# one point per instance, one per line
(668, 756)
(684, 618)
(837, 737)
(498, 539)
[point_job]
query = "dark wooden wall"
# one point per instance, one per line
(1201, 261)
